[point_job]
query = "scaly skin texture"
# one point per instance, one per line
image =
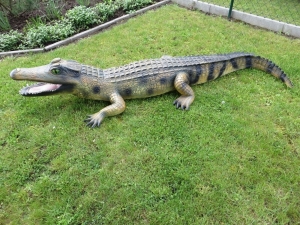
(140, 79)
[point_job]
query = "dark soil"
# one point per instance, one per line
(20, 21)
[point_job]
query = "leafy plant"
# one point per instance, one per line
(105, 10)
(82, 17)
(4, 23)
(10, 40)
(84, 2)
(109, 1)
(41, 35)
(53, 9)
(34, 22)
(133, 5)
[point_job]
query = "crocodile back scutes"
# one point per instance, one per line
(144, 68)
(152, 67)
(92, 71)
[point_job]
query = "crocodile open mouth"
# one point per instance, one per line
(41, 89)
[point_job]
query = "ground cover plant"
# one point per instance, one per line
(233, 158)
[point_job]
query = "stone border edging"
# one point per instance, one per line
(84, 33)
(259, 21)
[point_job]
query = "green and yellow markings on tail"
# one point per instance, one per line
(270, 67)
(210, 71)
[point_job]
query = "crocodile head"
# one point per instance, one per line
(57, 77)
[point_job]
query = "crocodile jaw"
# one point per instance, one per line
(42, 89)
(48, 83)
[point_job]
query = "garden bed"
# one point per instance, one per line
(40, 27)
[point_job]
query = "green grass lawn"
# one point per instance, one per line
(233, 158)
(285, 11)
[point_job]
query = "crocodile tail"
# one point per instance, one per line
(233, 62)
(268, 66)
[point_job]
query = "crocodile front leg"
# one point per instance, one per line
(117, 107)
(187, 97)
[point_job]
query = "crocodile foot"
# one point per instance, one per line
(183, 102)
(94, 120)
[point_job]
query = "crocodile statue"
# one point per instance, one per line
(139, 79)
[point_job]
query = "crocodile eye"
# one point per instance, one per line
(55, 71)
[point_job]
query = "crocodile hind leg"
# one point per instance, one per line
(187, 97)
(117, 107)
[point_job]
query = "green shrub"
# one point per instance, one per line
(133, 5)
(106, 10)
(82, 17)
(41, 35)
(10, 41)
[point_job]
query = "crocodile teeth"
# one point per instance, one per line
(39, 88)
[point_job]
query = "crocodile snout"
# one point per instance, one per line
(14, 72)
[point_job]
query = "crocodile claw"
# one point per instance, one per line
(93, 120)
(179, 105)
(183, 102)
(91, 123)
